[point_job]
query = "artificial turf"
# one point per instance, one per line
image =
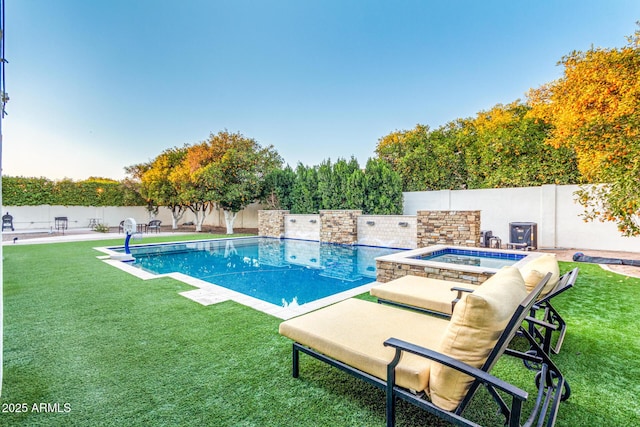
(89, 344)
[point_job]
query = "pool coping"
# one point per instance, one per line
(206, 293)
(408, 257)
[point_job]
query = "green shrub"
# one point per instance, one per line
(21, 191)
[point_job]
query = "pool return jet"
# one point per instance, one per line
(130, 231)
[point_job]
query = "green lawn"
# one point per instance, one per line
(118, 351)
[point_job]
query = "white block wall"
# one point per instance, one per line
(552, 207)
(43, 217)
(297, 226)
(395, 231)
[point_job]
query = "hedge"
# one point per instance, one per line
(21, 191)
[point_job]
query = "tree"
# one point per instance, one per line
(334, 180)
(327, 187)
(501, 147)
(157, 186)
(234, 178)
(506, 148)
(344, 174)
(425, 159)
(304, 194)
(382, 189)
(277, 188)
(594, 108)
(191, 189)
(355, 190)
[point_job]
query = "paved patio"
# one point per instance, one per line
(35, 236)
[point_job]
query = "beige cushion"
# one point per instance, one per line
(535, 270)
(431, 294)
(353, 332)
(475, 326)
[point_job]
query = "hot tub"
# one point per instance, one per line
(455, 263)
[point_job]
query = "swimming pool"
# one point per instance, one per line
(281, 272)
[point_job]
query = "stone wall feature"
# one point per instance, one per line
(456, 228)
(339, 226)
(271, 223)
(388, 271)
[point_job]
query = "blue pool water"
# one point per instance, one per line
(281, 272)
(473, 258)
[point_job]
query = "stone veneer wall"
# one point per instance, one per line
(339, 226)
(271, 223)
(456, 228)
(388, 271)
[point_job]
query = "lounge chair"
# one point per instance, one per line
(551, 321)
(412, 356)
(438, 297)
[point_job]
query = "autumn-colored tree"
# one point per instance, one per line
(497, 148)
(191, 190)
(505, 148)
(594, 109)
(158, 187)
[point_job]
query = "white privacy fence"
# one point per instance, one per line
(552, 207)
(38, 218)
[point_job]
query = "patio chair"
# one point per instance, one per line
(154, 224)
(431, 362)
(438, 297)
(61, 223)
(121, 227)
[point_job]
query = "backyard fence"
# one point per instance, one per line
(551, 207)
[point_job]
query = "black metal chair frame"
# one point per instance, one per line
(154, 224)
(551, 321)
(61, 223)
(549, 380)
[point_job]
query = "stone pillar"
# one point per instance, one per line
(339, 226)
(271, 223)
(456, 228)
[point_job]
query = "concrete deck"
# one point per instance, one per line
(35, 236)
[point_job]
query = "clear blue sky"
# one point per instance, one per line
(97, 85)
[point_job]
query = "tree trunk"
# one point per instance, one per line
(176, 215)
(229, 217)
(200, 212)
(200, 215)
